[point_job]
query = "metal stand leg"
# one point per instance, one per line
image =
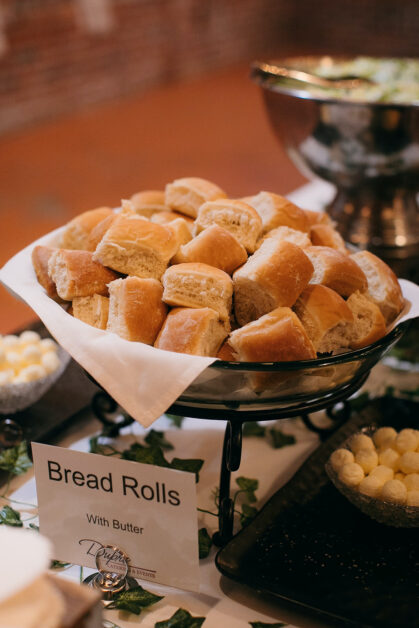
(232, 449)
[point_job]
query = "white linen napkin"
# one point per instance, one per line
(143, 380)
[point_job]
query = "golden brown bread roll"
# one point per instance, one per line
(275, 337)
(98, 232)
(336, 270)
(198, 285)
(226, 352)
(383, 287)
(214, 246)
(148, 202)
(278, 211)
(326, 317)
(77, 231)
(92, 310)
(77, 274)
(369, 324)
(197, 331)
(326, 235)
(235, 216)
(186, 195)
(300, 238)
(317, 218)
(273, 276)
(40, 259)
(166, 217)
(138, 247)
(136, 309)
(181, 231)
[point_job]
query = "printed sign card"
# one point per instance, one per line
(87, 501)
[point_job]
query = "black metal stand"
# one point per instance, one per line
(232, 446)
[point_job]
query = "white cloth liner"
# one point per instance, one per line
(144, 380)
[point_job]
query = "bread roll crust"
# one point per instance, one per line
(198, 285)
(326, 317)
(278, 336)
(148, 202)
(138, 247)
(326, 235)
(40, 258)
(274, 276)
(187, 194)
(300, 238)
(383, 286)
(336, 270)
(98, 232)
(369, 323)
(235, 216)
(76, 232)
(136, 309)
(278, 211)
(77, 274)
(197, 331)
(92, 310)
(214, 246)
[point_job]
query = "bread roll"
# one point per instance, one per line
(136, 310)
(275, 337)
(76, 232)
(148, 202)
(273, 276)
(198, 285)
(317, 218)
(138, 247)
(369, 324)
(214, 246)
(383, 287)
(98, 232)
(92, 310)
(300, 238)
(226, 352)
(40, 258)
(326, 235)
(180, 230)
(335, 270)
(77, 274)
(197, 331)
(186, 195)
(235, 216)
(326, 317)
(278, 211)
(166, 217)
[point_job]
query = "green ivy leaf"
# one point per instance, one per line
(181, 619)
(247, 514)
(279, 439)
(249, 486)
(262, 624)
(155, 438)
(147, 455)
(134, 600)
(205, 543)
(58, 564)
(175, 419)
(193, 465)
(253, 428)
(15, 459)
(10, 517)
(97, 448)
(34, 527)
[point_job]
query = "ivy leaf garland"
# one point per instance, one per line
(10, 517)
(277, 437)
(134, 600)
(15, 459)
(181, 619)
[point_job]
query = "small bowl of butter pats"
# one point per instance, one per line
(29, 366)
(377, 470)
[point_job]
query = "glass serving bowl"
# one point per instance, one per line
(228, 389)
(368, 150)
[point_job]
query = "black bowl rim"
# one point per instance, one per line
(304, 94)
(332, 360)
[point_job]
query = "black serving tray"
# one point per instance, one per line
(310, 546)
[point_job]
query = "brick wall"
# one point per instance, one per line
(57, 56)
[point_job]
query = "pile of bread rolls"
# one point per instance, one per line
(189, 270)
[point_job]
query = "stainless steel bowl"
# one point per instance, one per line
(368, 150)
